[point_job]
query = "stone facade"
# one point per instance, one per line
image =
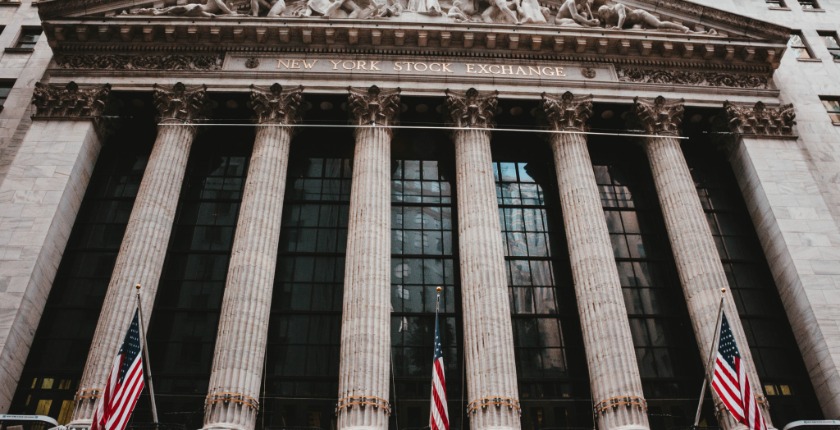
(652, 60)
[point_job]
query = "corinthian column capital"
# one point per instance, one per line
(470, 109)
(181, 104)
(69, 101)
(273, 105)
(567, 112)
(760, 120)
(660, 116)
(374, 106)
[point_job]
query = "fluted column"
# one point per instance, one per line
(698, 262)
(364, 374)
(232, 399)
(611, 358)
(493, 397)
(146, 237)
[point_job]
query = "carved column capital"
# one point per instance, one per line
(760, 120)
(374, 106)
(69, 101)
(660, 116)
(567, 112)
(470, 109)
(181, 104)
(274, 105)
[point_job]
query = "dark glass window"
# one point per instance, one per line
(771, 341)
(809, 4)
(56, 360)
(832, 43)
(28, 38)
(5, 90)
(182, 330)
(304, 342)
(832, 107)
(798, 45)
(550, 359)
(776, 3)
(662, 333)
(423, 256)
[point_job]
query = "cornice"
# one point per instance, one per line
(257, 35)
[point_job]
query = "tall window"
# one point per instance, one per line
(423, 256)
(302, 358)
(832, 43)
(550, 359)
(183, 325)
(56, 360)
(776, 356)
(798, 45)
(28, 38)
(5, 90)
(665, 347)
(832, 107)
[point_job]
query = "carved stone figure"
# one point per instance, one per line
(617, 16)
(499, 11)
(208, 8)
(275, 7)
(429, 7)
(330, 8)
(530, 11)
(576, 12)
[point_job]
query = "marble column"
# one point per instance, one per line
(57, 155)
(493, 396)
(232, 399)
(611, 358)
(698, 262)
(143, 248)
(364, 373)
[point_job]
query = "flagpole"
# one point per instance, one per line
(148, 364)
(712, 348)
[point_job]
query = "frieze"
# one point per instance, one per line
(69, 101)
(693, 78)
(139, 62)
(760, 120)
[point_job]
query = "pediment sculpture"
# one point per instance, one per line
(578, 13)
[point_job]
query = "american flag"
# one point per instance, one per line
(125, 382)
(439, 416)
(730, 381)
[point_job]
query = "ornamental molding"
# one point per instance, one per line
(567, 112)
(470, 109)
(139, 62)
(760, 120)
(694, 78)
(69, 101)
(660, 116)
(374, 106)
(181, 104)
(274, 105)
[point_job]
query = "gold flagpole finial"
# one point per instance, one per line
(723, 290)
(439, 289)
(137, 286)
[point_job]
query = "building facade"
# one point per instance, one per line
(290, 184)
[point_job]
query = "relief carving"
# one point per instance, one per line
(659, 116)
(567, 112)
(688, 77)
(139, 62)
(273, 105)
(470, 109)
(374, 106)
(571, 13)
(181, 104)
(759, 120)
(69, 101)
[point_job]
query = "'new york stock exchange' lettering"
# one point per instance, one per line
(421, 67)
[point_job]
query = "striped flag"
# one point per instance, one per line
(730, 381)
(439, 416)
(125, 382)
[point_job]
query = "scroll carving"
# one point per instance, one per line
(470, 109)
(69, 101)
(181, 104)
(374, 106)
(760, 120)
(693, 78)
(567, 112)
(273, 105)
(659, 116)
(139, 62)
